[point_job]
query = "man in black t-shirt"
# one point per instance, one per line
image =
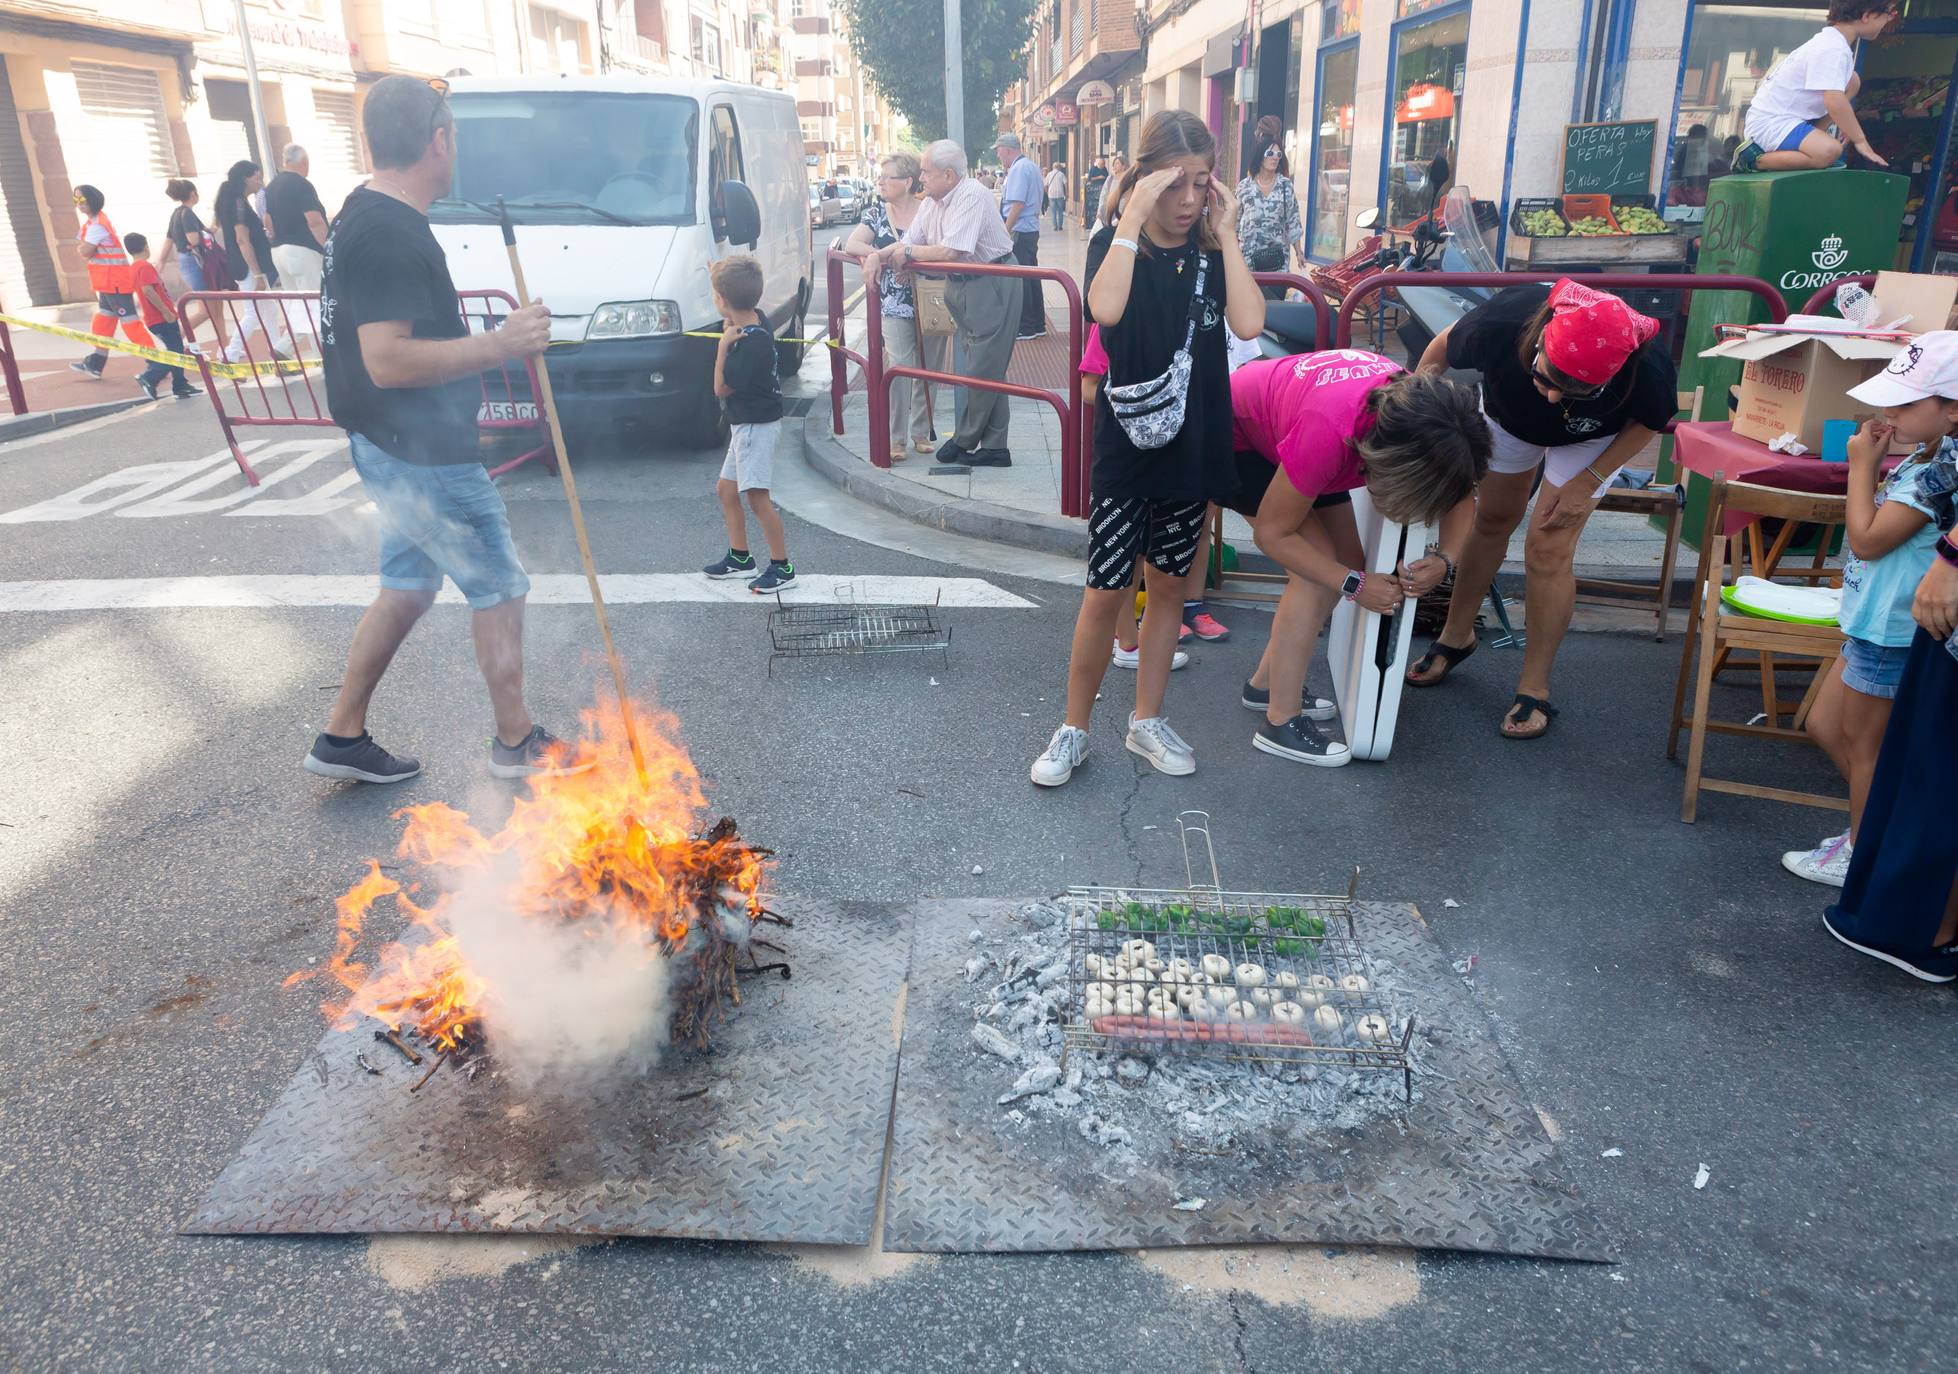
(1092, 183)
(402, 378)
(298, 222)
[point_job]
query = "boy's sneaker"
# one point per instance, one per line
(1747, 155)
(361, 761)
(1299, 740)
(539, 754)
(1933, 966)
(148, 387)
(733, 565)
(1315, 708)
(1207, 627)
(1167, 751)
(88, 367)
(1827, 863)
(775, 577)
(180, 392)
(1132, 658)
(1064, 753)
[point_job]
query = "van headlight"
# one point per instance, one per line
(634, 320)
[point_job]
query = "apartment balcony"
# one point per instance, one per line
(1102, 42)
(648, 50)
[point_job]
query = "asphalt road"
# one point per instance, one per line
(1664, 990)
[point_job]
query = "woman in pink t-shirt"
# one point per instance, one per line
(1307, 431)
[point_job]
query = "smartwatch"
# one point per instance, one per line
(1946, 549)
(1350, 588)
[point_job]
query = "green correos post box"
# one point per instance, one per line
(1798, 231)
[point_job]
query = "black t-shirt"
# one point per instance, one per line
(184, 225)
(750, 371)
(382, 263)
(287, 199)
(1196, 465)
(240, 213)
(1095, 177)
(1485, 340)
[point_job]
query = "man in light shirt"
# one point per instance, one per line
(1021, 211)
(960, 222)
(1056, 188)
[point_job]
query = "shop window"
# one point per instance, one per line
(1903, 106)
(1332, 151)
(1429, 65)
(1410, 8)
(1731, 49)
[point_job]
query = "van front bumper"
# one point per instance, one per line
(619, 381)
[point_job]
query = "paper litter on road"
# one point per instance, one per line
(1613, 1153)
(1450, 904)
(1699, 1179)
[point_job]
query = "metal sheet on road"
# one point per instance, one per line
(786, 1145)
(1467, 1167)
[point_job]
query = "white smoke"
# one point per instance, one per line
(564, 1002)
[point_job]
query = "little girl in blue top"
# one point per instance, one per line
(1891, 528)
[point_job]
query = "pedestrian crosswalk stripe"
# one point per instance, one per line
(302, 590)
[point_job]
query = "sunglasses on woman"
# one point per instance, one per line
(1564, 389)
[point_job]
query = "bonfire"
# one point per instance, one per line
(618, 854)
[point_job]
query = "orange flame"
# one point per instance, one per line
(599, 847)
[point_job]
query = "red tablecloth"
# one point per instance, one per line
(1712, 449)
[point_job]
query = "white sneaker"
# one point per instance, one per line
(1167, 751)
(1064, 754)
(1827, 863)
(1132, 658)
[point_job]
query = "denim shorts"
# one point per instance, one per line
(1873, 669)
(442, 520)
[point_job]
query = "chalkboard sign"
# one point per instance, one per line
(1609, 159)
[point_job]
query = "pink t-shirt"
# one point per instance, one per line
(1304, 413)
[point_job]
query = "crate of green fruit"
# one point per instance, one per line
(1538, 218)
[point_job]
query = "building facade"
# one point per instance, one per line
(846, 124)
(126, 95)
(1385, 102)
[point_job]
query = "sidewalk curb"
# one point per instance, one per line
(20, 426)
(975, 519)
(1058, 534)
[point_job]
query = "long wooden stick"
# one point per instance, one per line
(577, 511)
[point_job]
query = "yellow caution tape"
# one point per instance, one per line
(162, 355)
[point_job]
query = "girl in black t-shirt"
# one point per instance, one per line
(1169, 269)
(1572, 381)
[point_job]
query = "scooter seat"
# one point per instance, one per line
(1294, 324)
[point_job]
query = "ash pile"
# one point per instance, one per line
(1124, 1100)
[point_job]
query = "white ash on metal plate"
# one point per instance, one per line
(1207, 1106)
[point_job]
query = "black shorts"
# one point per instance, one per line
(1254, 476)
(1120, 528)
(121, 304)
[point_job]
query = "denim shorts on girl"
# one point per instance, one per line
(1875, 670)
(441, 520)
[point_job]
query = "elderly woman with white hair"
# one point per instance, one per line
(959, 223)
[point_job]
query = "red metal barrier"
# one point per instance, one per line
(1663, 281)
(1322, 312)
(878, 377)
(274, 396)
(839, 356)
(10, 367)
(1826, 295)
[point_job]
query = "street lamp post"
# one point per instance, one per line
(954, 77)
(267, 155)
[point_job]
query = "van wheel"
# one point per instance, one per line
(704, 426)
(789, 356)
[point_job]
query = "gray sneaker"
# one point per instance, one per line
(540, 754)
(1167, 751)
(361, 761)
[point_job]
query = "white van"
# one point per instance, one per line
(624, 191)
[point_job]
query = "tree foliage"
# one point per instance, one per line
(901, 44)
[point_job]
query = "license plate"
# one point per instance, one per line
(506, 410)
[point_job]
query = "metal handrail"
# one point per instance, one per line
(1663, 281)
(1322, 310)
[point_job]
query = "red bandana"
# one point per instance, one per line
(1591, 334)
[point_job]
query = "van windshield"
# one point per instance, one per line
(574, 157)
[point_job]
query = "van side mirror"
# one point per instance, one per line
(1367, 218)
(740, 215)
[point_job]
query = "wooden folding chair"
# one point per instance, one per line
(1721, 629)
(1665, 501)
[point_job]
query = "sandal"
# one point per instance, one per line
(1521, 710)
(898, 455)
(1451, 656)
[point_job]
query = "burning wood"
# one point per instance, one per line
(591, 870)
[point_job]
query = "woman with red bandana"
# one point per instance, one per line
(1571, 383)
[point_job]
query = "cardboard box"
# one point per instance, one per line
(1793, 383)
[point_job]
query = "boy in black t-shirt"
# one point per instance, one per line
(751, 394)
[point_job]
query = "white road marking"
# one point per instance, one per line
(546, 589)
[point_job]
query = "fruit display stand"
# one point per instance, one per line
(1529, 247)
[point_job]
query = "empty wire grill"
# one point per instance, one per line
(805, 631)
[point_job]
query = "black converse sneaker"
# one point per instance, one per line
(733, 565)
(1299, 740)
(775, 577)
(1315, 708)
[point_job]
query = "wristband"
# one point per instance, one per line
(1442, 554)
(1129, 244)
(1601, 481)
(1946, 549)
